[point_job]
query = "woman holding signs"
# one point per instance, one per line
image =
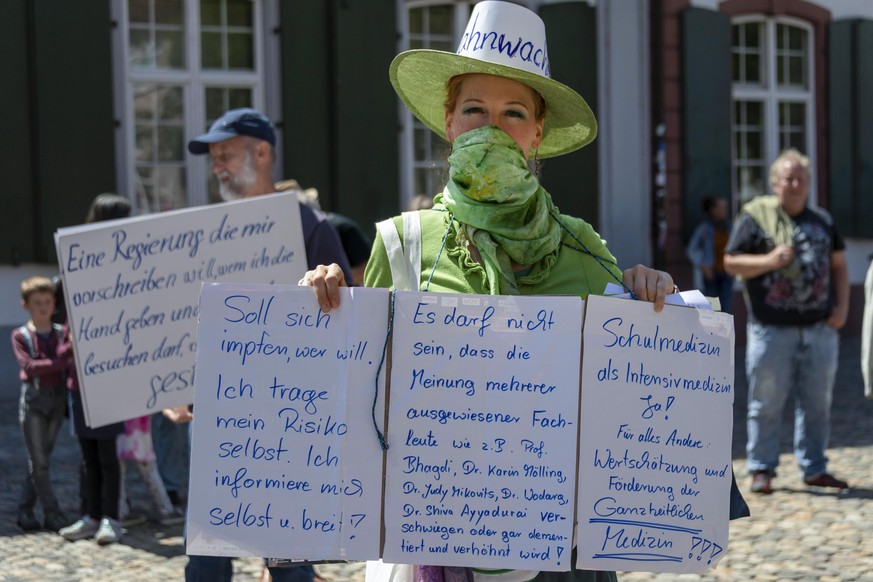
(494, 229)
(503, 234)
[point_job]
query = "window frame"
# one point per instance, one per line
(771, 95)
(194, 80)
(408, 123)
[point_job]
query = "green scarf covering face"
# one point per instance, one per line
(502, 206)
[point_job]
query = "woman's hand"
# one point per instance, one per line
(327, 279)
(649, 285)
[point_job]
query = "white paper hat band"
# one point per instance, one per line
(507, 36)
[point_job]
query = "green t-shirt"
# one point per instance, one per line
(568, 271)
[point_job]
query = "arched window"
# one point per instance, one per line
(773, 98)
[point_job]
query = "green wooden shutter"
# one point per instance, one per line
(75, 139)
(306, 34)
(706, 110)
(841, 173)
(850, 118)
(17, 218)
(339, 110)
(572, 179)
(864, 128)
(367, 146)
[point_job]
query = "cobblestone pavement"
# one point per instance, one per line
(798, 533)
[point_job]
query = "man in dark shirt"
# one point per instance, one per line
(792, 261)
(241, 145)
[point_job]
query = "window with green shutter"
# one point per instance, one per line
(850, 92)
(706, 108)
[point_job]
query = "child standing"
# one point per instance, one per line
(43, 400)
(102, 474)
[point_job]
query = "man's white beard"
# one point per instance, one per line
(239, 183)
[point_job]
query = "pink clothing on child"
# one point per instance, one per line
(135, 444)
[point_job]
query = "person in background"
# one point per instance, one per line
(355, 241)
(59, 316)
(102, 475)
(170, 444)
(792, 261)
(420, 202)
(43, 401)
(356, 244)
(135, 445)
(706, 252)
(867, 334)
(241, 145)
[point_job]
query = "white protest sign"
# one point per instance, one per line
(285, 459)
(132, 286)
(482, 431)
(655, 452)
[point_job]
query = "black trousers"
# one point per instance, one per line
(102, 477)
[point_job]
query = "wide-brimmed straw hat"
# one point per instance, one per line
(505, 40)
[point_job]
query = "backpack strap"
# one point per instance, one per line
(28, 339)
(59, 332)
(404, 257)
(31, 346)
(59, 335)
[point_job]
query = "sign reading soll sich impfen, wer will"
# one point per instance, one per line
(286, 461)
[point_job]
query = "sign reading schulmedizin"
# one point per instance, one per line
(482, 432)
(285, 459)
(655, 454)
(131, 288)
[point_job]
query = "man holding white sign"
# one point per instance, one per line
(241, 145)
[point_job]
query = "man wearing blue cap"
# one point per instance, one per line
(241, 144)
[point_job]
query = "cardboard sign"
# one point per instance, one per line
(655, 454)
(489, 461)
(285, 458)
(482, 431)
(131, 288)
